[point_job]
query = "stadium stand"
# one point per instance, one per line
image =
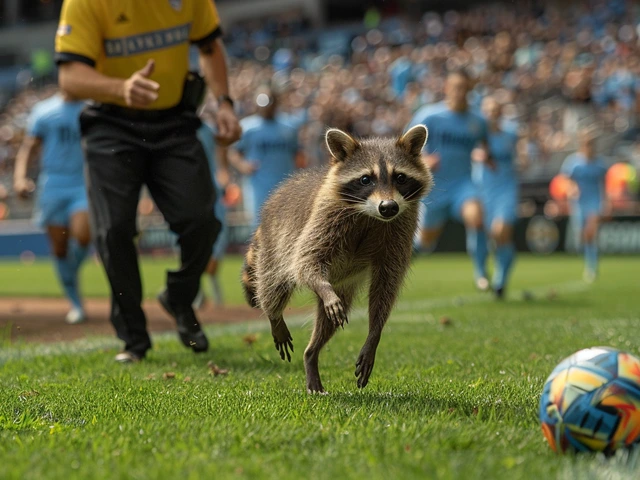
(555, 66)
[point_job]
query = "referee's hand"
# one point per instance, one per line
(229, 129)
(139, 90)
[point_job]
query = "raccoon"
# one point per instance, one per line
(330, 230)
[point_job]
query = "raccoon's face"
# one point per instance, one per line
(379, 177)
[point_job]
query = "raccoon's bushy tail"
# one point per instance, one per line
(249, 274)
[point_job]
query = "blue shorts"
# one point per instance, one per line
(445, 202)
(582, 211)
(56, 206)
(500, 202)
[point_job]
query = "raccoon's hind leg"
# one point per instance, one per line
(273, 300)
(323, 330)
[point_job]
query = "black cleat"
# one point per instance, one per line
(189, 329)
(499, 293)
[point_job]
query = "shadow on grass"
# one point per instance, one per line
(398, 403)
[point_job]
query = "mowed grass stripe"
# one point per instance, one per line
(404, 312)
(450, 401)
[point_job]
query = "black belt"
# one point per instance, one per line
(138, 114)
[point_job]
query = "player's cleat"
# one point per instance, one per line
(589, 276)
(75, 315)
(499, 293)
(482, 284)
(127, 357)
(189, 329)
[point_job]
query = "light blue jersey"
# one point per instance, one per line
(453, 136)
(589, 176)
(56, 123)
(272, 146)
(61, 188)
(206, 136)
(499, 187)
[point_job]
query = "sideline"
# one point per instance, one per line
(299, 321)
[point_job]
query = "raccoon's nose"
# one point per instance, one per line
(388, 208)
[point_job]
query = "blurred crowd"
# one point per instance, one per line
(555, 66)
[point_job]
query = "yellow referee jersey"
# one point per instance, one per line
(117, 37)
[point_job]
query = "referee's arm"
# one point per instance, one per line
(82, 81)
(78, 46)
(213, 64)
(205, 33)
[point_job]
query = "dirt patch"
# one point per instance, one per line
(42, 319)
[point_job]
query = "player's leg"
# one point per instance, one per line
(62, 258)
(219, 248)
(468, 209)
(503, 214)
(214, 266)
(502, 236)
(433, 215)
(590, 242)
(54, 217)
(78, 247)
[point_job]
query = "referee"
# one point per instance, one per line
(131, 58)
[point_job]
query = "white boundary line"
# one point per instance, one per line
(31, 350)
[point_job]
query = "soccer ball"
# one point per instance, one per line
(591, 402)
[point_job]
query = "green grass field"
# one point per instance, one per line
(455, 401)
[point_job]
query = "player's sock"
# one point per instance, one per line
(504, 259)
(216, 289)
(478, 251)
(591, 257)
(77, 253)
(67, 274)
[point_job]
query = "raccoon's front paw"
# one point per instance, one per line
(314, 385)
(335, 311)
(364, 366)
(283, 340)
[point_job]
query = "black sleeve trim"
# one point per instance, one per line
(64, 57)
(217, 32)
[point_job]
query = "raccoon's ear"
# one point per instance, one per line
(341, 145)
(414, 140)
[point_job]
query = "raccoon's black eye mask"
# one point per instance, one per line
(358, 189)
(410, 188)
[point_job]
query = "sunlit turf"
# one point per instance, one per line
(454, 400)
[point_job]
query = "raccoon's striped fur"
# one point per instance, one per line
(330, 230)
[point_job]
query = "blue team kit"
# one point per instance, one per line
(453, 136)
(61, 182)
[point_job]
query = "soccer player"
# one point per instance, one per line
(266, 154)
(499, 193)
(53, 131)
(206, 135)
(455, 132)
(586, 171)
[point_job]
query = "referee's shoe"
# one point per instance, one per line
(189, 329)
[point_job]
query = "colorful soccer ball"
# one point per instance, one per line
(591, 402)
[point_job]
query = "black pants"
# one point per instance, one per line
(122, 154)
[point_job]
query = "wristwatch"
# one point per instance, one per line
(225, 98)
